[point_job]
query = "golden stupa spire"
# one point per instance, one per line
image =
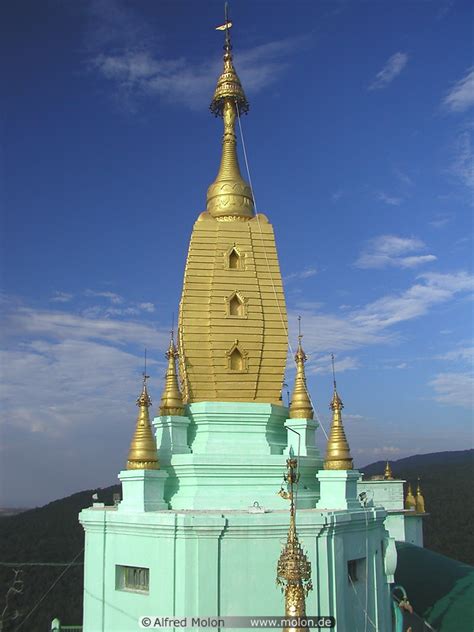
(419, 500)
(410, 502)
(338, 455)
(142, 454)
(171, 400)
(300, 407)
(388, 474)
(229, 196)
(294, 568)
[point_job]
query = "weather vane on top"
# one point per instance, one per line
(226, 26)
(145, 376)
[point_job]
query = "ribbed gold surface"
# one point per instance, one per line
(338, 455)
(419, 500)
(142, 454)
(410, 502)
(300, 407)
(388, 475)
(209, 333)
(171, 400)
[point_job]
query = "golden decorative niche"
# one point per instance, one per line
(237, 359)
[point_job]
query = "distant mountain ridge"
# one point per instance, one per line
(410, 462)
(52, 533)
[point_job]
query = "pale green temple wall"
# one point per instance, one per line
(214, 553)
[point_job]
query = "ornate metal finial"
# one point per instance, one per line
(338, 455)
(229, 196)
(142, 454)
(171, 400)
(294, 568)
(388, 475)
(410, 502)
(300, 407)
(420, 501)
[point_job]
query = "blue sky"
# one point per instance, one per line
(359, 143)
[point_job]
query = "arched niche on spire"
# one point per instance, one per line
(237, 359)
(236, 305)
(234, 259)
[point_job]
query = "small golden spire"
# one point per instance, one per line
(229, 195)
(171, 400)
(388, 475)
(420, 501)
(338, 455)
(410, 502)
(294, 568)
(300, 407)
(142, 454)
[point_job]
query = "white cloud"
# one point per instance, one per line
(462, 166)
(306, 273)
(403, 177)
(386, 450)
(114, 298)
(65, 368)
(391, 250)
(147, 307)
(441, 220)
(460, 354)
(388, 199)
(374, 323)
(461, 96)
(393, 67)
(322, 365)
(456, 389)
(124, 50)
(61, 297)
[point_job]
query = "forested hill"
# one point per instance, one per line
(447, 483)
(49, 534)
(52, 534)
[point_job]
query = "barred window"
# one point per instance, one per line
(132, 578)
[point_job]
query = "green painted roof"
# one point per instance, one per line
(440, 589)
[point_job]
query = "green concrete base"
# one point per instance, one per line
(171, 437)
(236, 456)
(236, 482)
(301, 438)
(224, 563)
(338, 489)
(142, 490)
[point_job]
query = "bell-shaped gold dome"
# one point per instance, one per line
(142, 454)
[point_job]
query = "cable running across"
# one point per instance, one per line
(318, 419)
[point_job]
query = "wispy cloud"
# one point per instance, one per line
(393, 67)
(462, 166)
(403, 177)
(114, 298)
(58, 357)
(441, 220)
(61, 297)
(455, 389)
(322, 365)
(306, 273)
(461, 96)
(392, 250)
(376, 322)
(460, 354)
(388, 199)
(123, 51)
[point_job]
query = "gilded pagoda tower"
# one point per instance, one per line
(201, 522)
(233, 338)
